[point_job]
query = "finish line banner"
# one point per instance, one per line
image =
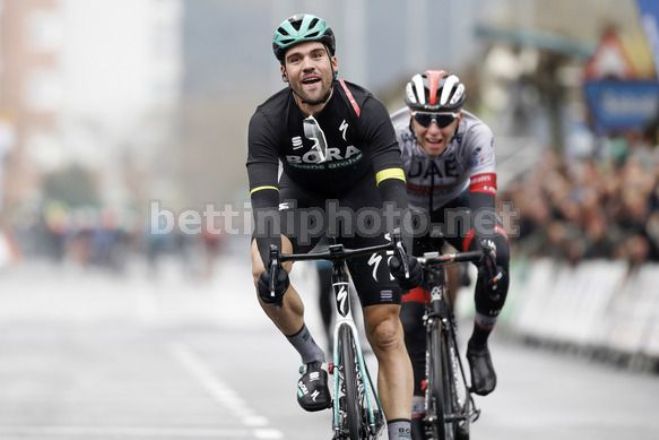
(622, 105)
(649, 16)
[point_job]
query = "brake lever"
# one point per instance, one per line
(274, 268)
(400, 253)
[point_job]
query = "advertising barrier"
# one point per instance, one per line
(595, 305)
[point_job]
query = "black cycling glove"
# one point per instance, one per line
(488, 268)
(281, 285)
(416, 272)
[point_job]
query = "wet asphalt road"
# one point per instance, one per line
(90, 355)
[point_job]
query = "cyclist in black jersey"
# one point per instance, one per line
(335, 142)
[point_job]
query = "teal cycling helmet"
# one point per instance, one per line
(301, 28)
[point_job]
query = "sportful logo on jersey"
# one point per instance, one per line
(343, 128)
(297, 142)
(386, 295)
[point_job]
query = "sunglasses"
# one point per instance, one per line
(441, 119)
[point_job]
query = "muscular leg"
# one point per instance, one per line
(312, 390)
(289, 317)
(395, 382)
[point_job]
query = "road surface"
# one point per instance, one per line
(87, 354)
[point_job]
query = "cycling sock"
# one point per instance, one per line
(483, 326)
(399, 429)
(418, 407)
(304, 343)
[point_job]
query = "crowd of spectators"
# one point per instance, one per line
(602, 206)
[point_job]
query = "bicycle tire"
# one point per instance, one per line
(450, 404)
(460, 429)
(353, 401)
(435, 384)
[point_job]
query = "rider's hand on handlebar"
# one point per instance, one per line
(415, 278)
(281, 285)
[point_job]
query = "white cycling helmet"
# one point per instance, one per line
(435, 91)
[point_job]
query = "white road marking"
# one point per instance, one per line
(268, 434)
(223, 394)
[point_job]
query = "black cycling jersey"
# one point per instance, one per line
(326, 154)
(354, 144)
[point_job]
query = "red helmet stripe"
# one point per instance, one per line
(433, 84)
(434, 77)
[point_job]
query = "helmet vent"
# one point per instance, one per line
(313, 22)
(283, 31)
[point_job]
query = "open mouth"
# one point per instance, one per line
(311, 80)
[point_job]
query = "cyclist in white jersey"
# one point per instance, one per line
(449, 162)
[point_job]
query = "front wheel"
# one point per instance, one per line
(354, 395)
(435, 391)
(451, 400)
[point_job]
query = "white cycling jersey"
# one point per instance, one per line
(467, 161)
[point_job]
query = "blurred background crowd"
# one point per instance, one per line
(602, 206)
(108, 105)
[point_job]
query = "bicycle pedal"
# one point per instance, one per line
(330, 368)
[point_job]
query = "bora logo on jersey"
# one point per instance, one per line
(320, 152)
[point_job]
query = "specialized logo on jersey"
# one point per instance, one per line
(343, 128)
(374, 260)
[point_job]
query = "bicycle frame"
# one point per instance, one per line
(438, 313)
(339, 255)
(340, 285)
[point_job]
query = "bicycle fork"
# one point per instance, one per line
(345, 319)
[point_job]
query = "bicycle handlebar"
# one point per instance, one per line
(459, 257)
(339, 252)
(335, 252)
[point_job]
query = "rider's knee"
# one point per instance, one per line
(386, 335)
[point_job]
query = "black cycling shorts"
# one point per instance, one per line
(448, 225)
(351, 218)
